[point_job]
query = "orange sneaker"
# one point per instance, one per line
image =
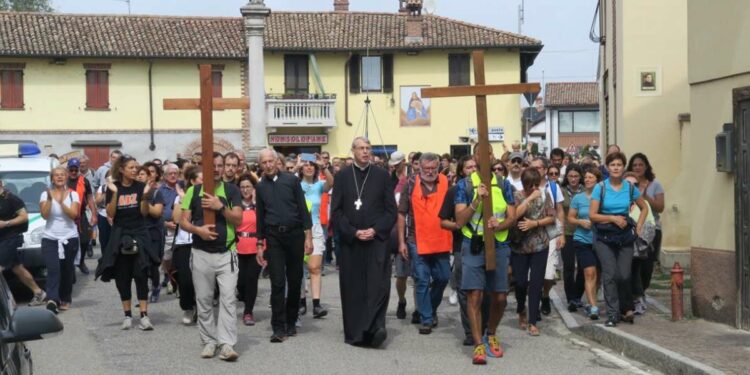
(494, 347)
(480, 355)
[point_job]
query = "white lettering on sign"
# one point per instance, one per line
(496, 134)
(286, 139)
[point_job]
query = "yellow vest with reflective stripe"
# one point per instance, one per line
(499, 207)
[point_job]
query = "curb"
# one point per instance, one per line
(633, 347)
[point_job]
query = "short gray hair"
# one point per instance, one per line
(169, 166)
(545, 161)
(428, 156)
(267, 151)
(364, 139)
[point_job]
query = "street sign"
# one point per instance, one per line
(496, 134)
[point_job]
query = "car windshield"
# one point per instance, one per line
(29, 186)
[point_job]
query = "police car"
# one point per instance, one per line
(26, 174)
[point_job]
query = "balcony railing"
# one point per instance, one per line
(301, 112)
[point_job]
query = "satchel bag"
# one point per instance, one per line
(477, 241)
(128, 245)
(610, 233)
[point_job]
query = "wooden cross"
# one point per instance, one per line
(481, 91)
(207, 104)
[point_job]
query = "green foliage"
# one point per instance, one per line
(26, 5)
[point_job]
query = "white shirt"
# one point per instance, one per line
(100, 210)
(517, 184)
(59, 225)
(183, 237)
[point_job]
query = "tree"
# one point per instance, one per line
(26, 5)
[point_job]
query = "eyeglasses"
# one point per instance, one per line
(498, 169)
(553, 174)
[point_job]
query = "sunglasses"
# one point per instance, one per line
(556, 174)
(517, 161)
(73, 169)
(289, 168)
(498, 169)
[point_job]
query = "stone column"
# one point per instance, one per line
(255, 13)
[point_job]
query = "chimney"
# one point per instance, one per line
(341, 5)
(414, 26)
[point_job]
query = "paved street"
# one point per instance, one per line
(93, 344)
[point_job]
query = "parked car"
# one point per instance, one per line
(18, 325)
(26, 175)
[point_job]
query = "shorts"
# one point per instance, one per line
(9, 256)
(554, 262)
(585, 255)
(475, 277)
(319, 240)
(403, 266)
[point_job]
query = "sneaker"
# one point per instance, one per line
(170, 288)
(187, 317)
(319, 312)
(52, 306)
(209, 351)
(145, 324)
(127, 323)
(248, 319)
(468, 341)
(401, 311)
(639, 307)
(39, 298)
(494, 349)
(227, 353)
(593, 313)
(453, 299)
(303, 309)
(546, 309)
(480, 355)
(278, 337)
(610, 323)
(572, 306)
(415, 317)
(425, 329)
(155, 295)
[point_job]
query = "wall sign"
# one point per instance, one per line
(309, 139)
(495, 134)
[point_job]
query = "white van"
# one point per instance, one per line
(27, 176)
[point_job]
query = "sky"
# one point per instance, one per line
(562, 25)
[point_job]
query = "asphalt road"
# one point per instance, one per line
(92, 343)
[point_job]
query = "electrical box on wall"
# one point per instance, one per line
(725, 149)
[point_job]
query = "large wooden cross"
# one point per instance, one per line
(207, 104)
(481, 91)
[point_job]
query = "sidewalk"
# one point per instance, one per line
(690, 346)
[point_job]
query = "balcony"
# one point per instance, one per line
(301, 111)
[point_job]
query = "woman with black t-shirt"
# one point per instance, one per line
(129, 253)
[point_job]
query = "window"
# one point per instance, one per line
(459, 69)
(216, 82)
(578, 122)
(371, 73)
(11, 86)
(296, 75)
(97, 86)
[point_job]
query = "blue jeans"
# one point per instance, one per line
(426, 268)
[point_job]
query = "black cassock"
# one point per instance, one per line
(365, 268)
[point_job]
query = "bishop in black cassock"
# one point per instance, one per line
(364, 212)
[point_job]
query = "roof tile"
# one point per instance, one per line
(571, 94)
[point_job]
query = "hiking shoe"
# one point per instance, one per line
(425, 329)
(248, 319)
(187, 317)
(401, 311)
(546, 309)
(227, 353)
(209, 351)
(145, 324)
(39, 298)
(415, 317)
(453, 299)
(155, 295)
(593, 313)
(52, 306)
(127, 323)
(319, 312)
(480, 355)
(494, 349)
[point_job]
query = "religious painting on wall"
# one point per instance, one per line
(415, 110)
(649, 81)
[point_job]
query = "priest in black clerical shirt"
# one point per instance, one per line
(364, 211)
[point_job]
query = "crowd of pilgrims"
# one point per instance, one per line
(591, 223)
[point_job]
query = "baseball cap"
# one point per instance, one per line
(515, 155)
(396, 158)
(74, 163)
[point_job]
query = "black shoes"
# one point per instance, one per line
(401, 311)
(83, 268)
(378, 338)
(572, 307)
(278, 337)
(415, 317)
(468, 341)
(425, 329)
(303, 309)
(319, 312)
(434, 319)
(546, 309)
(291, 331)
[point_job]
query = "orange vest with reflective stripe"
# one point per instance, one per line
(431, 238)
(324, 201)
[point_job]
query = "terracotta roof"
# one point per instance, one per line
(71, 35)
(571, 94)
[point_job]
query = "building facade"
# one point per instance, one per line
(572, 115)
(93, 82)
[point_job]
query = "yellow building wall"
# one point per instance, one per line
(55, 96)
(654, 38)
(451, 117)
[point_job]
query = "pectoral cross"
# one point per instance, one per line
(480, 91)
(358, 204)
(207, 104)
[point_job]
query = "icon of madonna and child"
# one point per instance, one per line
(415, 111)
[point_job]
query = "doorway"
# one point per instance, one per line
(742, 203)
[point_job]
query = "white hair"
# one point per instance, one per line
(270, 151)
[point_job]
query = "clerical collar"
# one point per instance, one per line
(273, 179)
(361, 168)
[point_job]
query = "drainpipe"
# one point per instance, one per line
(346, 91)
(152, 146)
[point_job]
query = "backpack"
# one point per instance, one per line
(611, 234)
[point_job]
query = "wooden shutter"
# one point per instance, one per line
(354, 73)
(97, 86)
(458, 69)
(91, 89)
(387, 73)
(216, 80)
(103, 93)
(11, 86)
